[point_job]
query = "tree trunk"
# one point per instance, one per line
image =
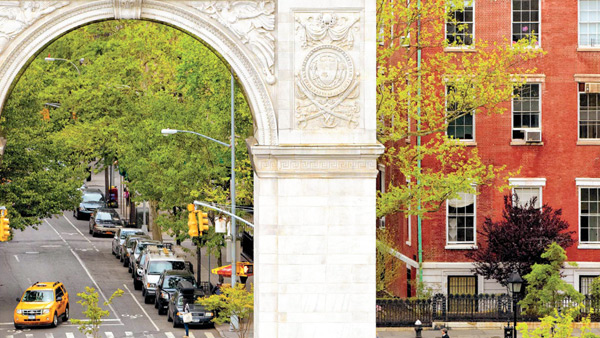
(156, 230)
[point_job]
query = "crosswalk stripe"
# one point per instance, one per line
(89, 335)
(70, 335)
(209, 335)
(149, 335)
(169, 335)
(128, 334)
(29, 335)
(49, 335)
(109, 334)
(11, 336)
(192, 335)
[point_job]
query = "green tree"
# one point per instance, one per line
(92, 311)
(558, 325)
(237, 302)
(546, 290)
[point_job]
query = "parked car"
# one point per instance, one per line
(200, 316)
(91, 199)
(42, 304)
(155, 264)
(138, 250)
(128, 247)
(120, 237)
(104, 221)
(166, 285)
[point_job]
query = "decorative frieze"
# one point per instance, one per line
(327, 78)
(252, 22)
(15, 17)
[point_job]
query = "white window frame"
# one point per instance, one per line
(463, 245)
(528, 183)
(462, 46)
(408, 223)
(585, 183)
(579, 45)
(539, 45)
(579, 116)
(512, 113)
(471, 140)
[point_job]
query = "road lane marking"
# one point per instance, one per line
(169, 335)
(29, 335)
(70, 335)
(128, 334)
(31, 252)
(49, 335)
(109, 334)
(86, 271)
(11, 336)
(140, 305)
(209, 335)
(17, 258)
(192, 335)
(87, 239)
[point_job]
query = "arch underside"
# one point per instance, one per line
(43, 31)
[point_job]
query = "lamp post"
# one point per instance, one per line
(515, 282)
(49, 59)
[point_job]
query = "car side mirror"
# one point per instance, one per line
(58, 299)
(18, 299)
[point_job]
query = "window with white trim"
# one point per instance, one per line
(460, 25)
(589, 110)
(460, 218)
(585, 284)
(461, 126)
(525, 19)
(589, 214)
(526, 110)
(525, 194)
(589, 23)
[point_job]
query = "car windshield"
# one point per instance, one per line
(92, 197)
(124, 234)
(171, 282)
(38, 296)
(141, 247)
(160, 267)
(107, 216)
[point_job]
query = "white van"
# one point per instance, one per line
(158, 260)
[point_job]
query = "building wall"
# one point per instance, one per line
(560, 158)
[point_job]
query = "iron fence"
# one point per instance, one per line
(464, 308)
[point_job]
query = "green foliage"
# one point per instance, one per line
(546, 290)
(92, 311)
(237, 302)
(412, 101)
(558, 325)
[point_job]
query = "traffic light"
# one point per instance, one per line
(202, 221)
(192, 221)
(4, 225)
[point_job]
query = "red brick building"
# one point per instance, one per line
(552, 132)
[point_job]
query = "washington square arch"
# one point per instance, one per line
(308, 70)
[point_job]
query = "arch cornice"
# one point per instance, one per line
(48, 27)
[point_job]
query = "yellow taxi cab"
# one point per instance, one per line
(42, 304)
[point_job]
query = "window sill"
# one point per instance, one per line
(588, 49)
(523, 143)
(468, 143)
(408, 243)
(588, 142)
(461, 247)
(467, 49)
(588, 246)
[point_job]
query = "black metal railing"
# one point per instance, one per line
(465, 308)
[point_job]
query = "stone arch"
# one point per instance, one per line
(18, 51)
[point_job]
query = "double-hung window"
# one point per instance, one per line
(526, 110)
(589, 111)
(524, 189)
(589, 214)
(525, 19)
(460, 214)
(585, 284)
(589, 23)
(461, 125)
(460, 25)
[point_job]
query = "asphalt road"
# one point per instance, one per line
(62, 250)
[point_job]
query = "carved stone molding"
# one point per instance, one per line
(252, 22)
(327, 81)
(127, 9)
(15, 17)
(315, 161)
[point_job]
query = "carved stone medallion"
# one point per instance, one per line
(327, 71)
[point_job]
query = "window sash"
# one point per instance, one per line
(526, 109)
(460, 31)
(589, 214)
(526, 193)
(589, 23)
(589, 114)
(525, 19)
(460, 219)
(462, 128)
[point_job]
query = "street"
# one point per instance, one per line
(61, 250)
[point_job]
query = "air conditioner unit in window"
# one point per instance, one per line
(533, 135)
(592, 87)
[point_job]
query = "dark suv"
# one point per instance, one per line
(200, 316)
(166, 286)
(91, 199)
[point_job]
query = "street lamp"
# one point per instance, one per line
(515, 282)
(49, 59)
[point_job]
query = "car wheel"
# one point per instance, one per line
(54, 320)
(125, 262)
(18, 327)
(121, 259)
(137, 285)
(66, 314)
(147, 299)
(91, 232)
(169, 319)
(144, 293)
(175, 323)
(77, 215)
(156, 302)
(161, 311)
(94, 234)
